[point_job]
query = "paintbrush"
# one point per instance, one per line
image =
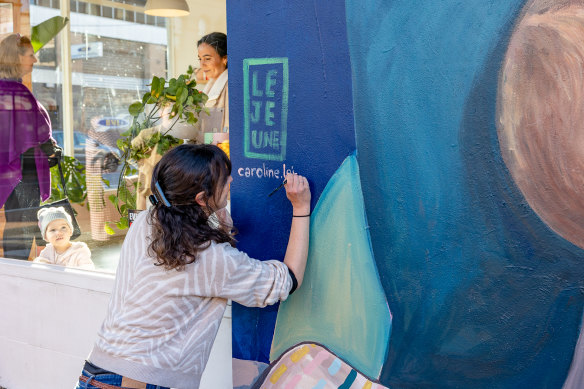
(278, 188)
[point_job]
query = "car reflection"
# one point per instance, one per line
(102, 155)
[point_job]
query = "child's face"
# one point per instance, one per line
(58, 233)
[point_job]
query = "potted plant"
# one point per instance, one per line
(168, 106)
(74, 175)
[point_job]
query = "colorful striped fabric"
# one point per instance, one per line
(313, 366)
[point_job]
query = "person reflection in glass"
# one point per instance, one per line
(25, 145)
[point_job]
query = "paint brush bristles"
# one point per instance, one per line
(278, 188)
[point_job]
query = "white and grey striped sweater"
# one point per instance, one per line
(161, 324)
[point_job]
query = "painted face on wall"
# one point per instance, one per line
(540, 120)
(211, 62)
(27, 61)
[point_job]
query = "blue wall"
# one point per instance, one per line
(320, 131)
(483, 294)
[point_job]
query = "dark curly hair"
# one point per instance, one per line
(181, 231)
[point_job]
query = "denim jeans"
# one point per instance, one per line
(110, 379)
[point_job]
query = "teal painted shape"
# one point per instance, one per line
(341, 303)
(281, 130)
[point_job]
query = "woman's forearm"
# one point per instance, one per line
(297, 250)
(298, 192)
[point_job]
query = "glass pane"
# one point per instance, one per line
(113, 60)
(107, 12)
(119, 14)
(95, 9)
(44, 3)
(129, 16)
(140, 18)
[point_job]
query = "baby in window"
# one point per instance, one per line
(56, 227)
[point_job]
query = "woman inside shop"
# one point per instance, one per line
(212, 51)
(178, 267)
(25, 145)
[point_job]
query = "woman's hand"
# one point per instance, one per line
(298, 192)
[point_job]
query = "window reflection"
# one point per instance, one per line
(115, 52)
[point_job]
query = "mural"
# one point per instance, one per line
(344, 307)
(289, 127)
(309, 365)
(540, 116)
(451, 132)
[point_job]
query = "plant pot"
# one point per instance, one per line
(180, 130)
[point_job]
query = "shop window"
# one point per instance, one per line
(107, 12)
(95, 9)
(119, 14)
(114, 52)
(44, 3)
(113, 58)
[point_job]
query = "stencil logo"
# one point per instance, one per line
(265, 104)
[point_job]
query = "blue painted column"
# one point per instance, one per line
(291, 109)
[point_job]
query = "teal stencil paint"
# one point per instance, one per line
(341, 303)
(265, 108)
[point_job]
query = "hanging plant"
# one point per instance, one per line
(74, 174)
(172, 102)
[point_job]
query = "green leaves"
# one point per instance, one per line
(180, 97)
(108, 229)
(191, 119)
(154, 86)
(146, 97)
(136, 108)
(74, 174)
(123, 223)
(42, 33)
(166, 142)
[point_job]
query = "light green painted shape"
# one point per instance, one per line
(341, 303)
(250, 63)
(42, 33)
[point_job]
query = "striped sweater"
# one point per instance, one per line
(161, 324)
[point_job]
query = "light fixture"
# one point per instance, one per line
(166, 8)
